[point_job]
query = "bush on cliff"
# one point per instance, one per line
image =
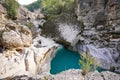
(12, 7)
(88, 63)
(57, 6)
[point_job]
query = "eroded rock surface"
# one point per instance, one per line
(15, 36)
(28, 61)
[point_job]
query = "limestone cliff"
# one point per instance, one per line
(98, 34)
(100, 37)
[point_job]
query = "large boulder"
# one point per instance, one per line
(11, 39)
(62, 28)
(16, 36)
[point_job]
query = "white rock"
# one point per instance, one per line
(30, 62)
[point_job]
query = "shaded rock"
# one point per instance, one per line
(72, 74)
(100, 19)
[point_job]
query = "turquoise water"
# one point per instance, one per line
(66, 59)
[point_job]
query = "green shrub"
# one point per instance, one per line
(88, 63)
(57, 6)
(45, 78)
(12, 8)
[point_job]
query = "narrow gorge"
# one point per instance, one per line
(40, 45)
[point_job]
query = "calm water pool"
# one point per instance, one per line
(64, 60)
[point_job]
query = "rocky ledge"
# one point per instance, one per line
(30, 61)
(70, 75)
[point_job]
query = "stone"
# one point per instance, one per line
(11, 26)
(26, 36)
(93, 76)
(11, 39)
(16, 36)
(110, 76)
(100, 27)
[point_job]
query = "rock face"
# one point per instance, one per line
(28, 61)
(63, 28)
(15, 36)
(100, 37)
(23, 13)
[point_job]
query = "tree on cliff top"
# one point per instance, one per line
(12, 8)
(57, 6)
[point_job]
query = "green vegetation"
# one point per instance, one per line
(33, 6)
(88, 63)
(29, 25)
(57, 6)
(45, 78)
(12, 7)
